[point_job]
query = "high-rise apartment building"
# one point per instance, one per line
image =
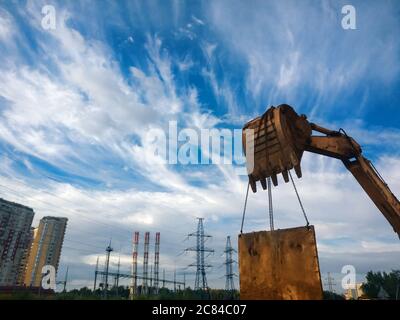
(46, 248)
(25, 257)
(15, 240)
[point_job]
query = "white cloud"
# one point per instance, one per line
(185, 64)
(60, 117)
(6, 26)
(197, 20)
(288, 73)
(292, 48)
(209, 49)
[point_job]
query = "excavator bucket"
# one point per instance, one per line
(275, 143)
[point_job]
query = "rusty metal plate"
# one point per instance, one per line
(279, 265)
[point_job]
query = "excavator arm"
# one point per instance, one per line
(274, 143)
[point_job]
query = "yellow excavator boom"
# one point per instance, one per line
(275, 142)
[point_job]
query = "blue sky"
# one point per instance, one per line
(76, 102)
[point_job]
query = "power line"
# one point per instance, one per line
(127, 231)
(87, 195)
(71, 210)
(80, 211)
(23, 195)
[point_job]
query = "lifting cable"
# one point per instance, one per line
(298, 198)
(270, 204)
(244, 208)
(270, 208)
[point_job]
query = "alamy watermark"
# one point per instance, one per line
(349, 280)
(349, 18)
(186, 146)
(49, 21)
(49, 277)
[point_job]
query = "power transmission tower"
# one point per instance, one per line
(174, 280)
(116, 280)
(95, 274)
(106, 267)
(200, 249)
(330, 282)
(163, 280)
(151, 279)
(229, 284)
(64, 282)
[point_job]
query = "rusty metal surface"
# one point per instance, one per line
(279, 265)
(276, 142)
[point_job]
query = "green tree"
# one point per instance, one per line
(390, 282)
(329, 295)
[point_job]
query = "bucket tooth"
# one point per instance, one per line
(252, 184)
(263, 183)
(297, 169)
(274, 179)
(285, 175)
